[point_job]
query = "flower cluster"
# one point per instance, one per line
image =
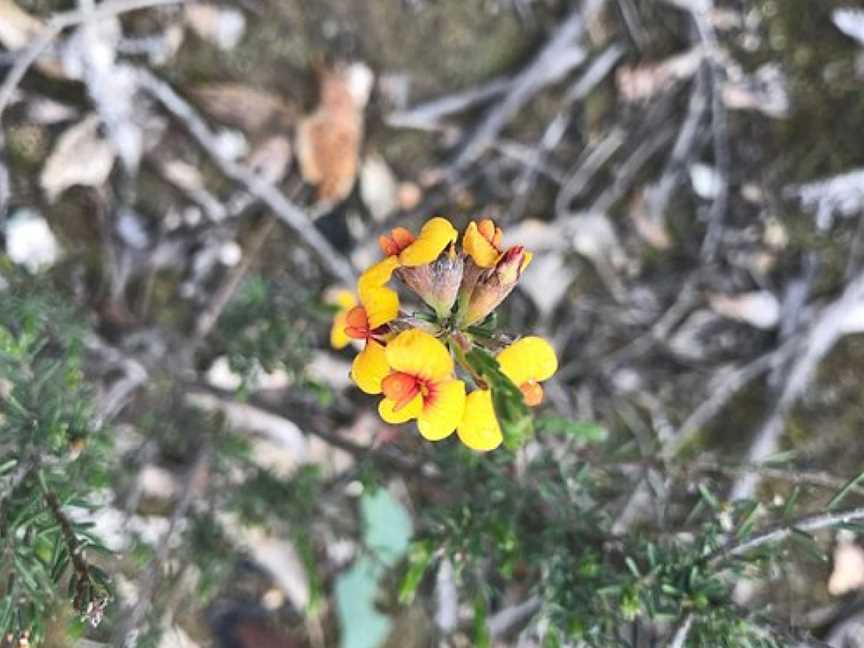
(420, 362)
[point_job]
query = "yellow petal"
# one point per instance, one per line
(530, 358)
(370, 367)
(344, 299)
(434, 236)
(410, 411)
(381, 303)
(382, 306)
(338, 338)
(479, 429)
(419, 354)
(478, 247)
(525, 261)
(442, 411)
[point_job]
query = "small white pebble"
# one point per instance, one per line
(230, 253)
(354, 488)
(30, 242)
(231, 144)
(192, 216)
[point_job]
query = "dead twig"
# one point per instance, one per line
(152, 576)
(825, 331)
(511, 617)
(207, 320)
(427, 116)
(799, 477)
(5, 182)
(679, 639)
(734, 381)
(560, 55)
(700, 11)
(555, 130)
(55, 25)
(625, 176)
(780, 533)
(658, 194)
(331, 259)
(586, 168)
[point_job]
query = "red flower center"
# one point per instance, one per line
(402, 388)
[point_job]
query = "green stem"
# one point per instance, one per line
(459, 353)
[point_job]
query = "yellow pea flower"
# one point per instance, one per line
(345, 300)
(418, 384)
(528, 362)
(435, 235)
(479, 429)
(483, 242)
(379, 305)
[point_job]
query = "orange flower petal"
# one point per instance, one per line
(479, 429)
(381, 303)
(398, 240)
(400, 388)
(532, 393)
(357, 323)
(478, 245)
(402, 237)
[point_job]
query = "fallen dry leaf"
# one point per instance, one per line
(650, 227)
(763, 91)
(271, 157)
(222, 26)
(18, 29)
(378, 187)
(81, 156)
(328, 140)
(848, 573)
(90, 55)
(249, 109)
(640, 82)
(535, 282)
(759, 308)
(410, 194)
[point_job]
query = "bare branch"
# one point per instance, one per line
(55, 26)
(778, 534)
(286, 211)
(681, 633)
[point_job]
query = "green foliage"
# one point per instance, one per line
(420, 557)
(52, 461)
(255, 331)
(580, 431)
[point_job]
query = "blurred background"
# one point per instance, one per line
(184, 186)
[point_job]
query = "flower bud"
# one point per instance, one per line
(436, 283)
(496, 283)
